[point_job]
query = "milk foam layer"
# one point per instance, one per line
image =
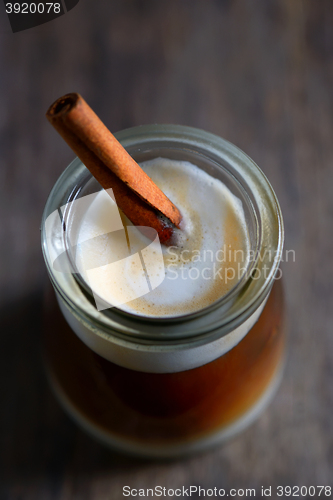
(206, 262)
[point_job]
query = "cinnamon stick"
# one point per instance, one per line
(136, 194)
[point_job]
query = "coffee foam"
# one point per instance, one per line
(195, 277)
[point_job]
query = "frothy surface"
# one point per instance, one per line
(212, 247)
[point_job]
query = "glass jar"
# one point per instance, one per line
(162, 387)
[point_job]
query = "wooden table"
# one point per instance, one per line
(260, 74)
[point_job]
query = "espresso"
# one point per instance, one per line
(208, 256)
(166, 413)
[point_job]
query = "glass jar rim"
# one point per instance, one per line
(229, 311)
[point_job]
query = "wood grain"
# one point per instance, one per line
(259, 74)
